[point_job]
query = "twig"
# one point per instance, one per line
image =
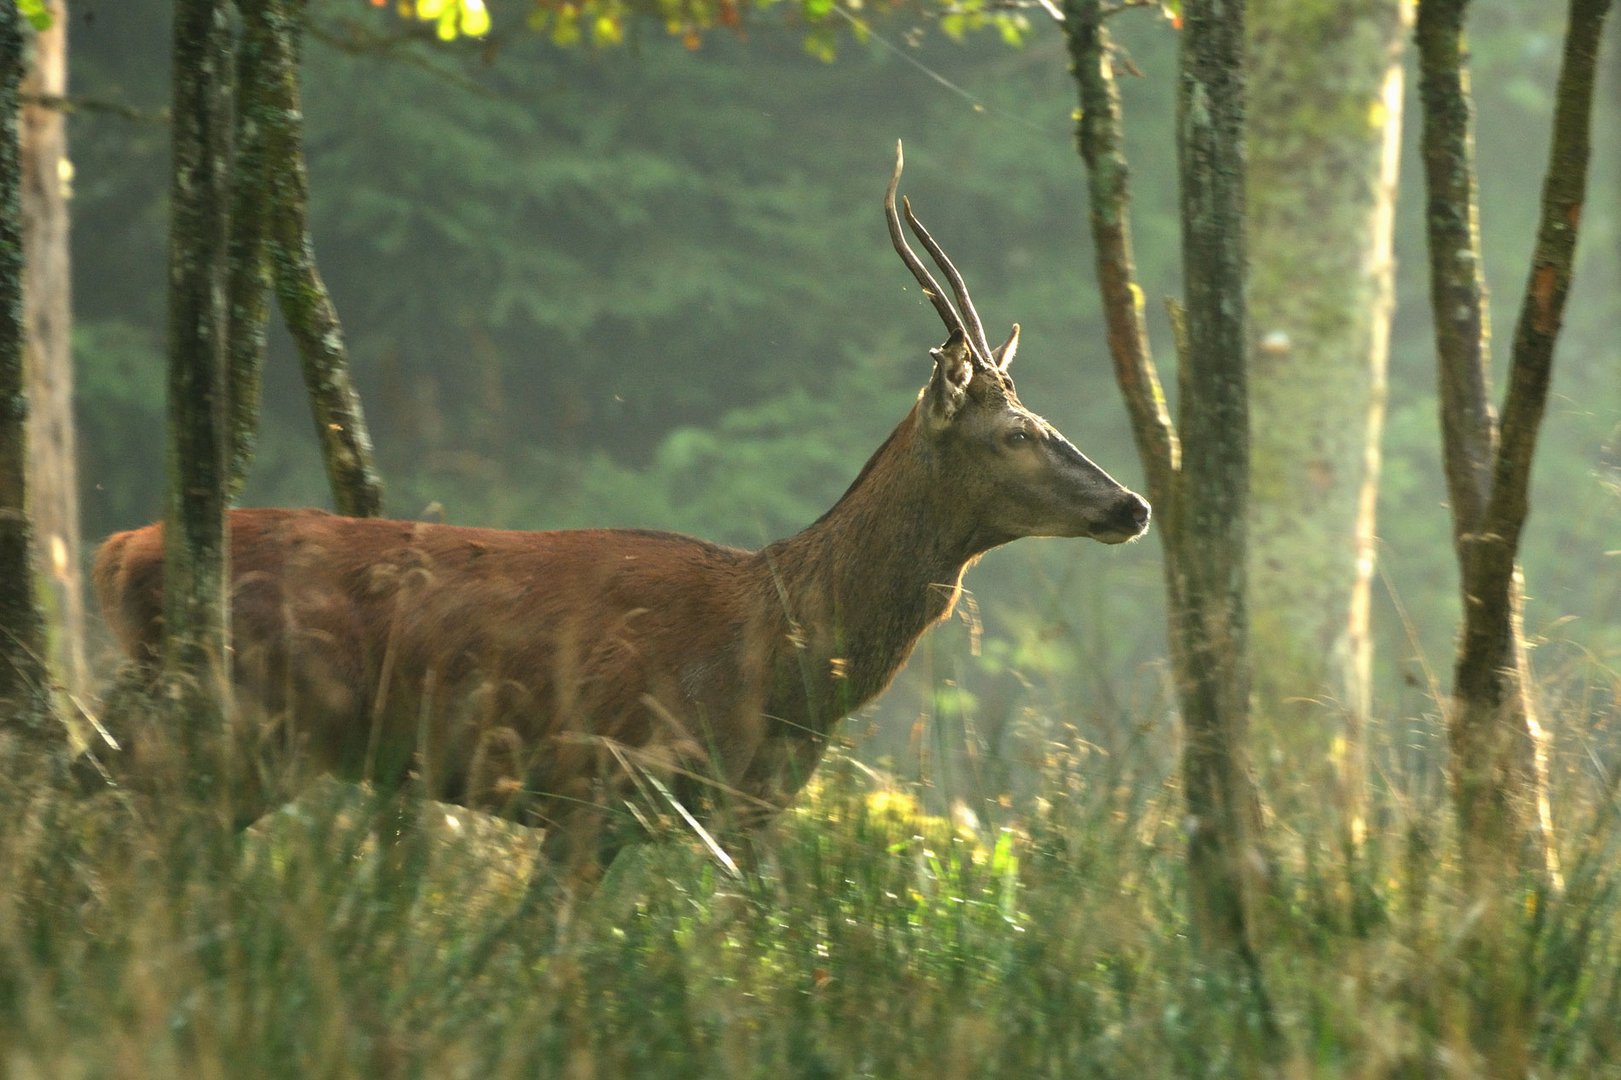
(77, 103)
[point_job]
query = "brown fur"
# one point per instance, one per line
(541, 674)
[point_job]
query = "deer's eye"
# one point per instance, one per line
(1018, 437)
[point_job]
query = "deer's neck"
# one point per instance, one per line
(860, 586)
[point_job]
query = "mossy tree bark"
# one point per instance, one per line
(24, 697)
(53, 475)
(1499, 765)
(1323, 142)
(1212, 485)
(247, 296)
(270, 247)
(340, 425)
(196, 600)
(1197, 468)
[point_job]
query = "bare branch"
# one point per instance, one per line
(1099, 137)
(306, 305)
(80, 103)
(1546, 289)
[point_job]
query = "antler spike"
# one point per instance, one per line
(931, 287)
(975, 329)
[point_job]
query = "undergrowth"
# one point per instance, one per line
(876, 941)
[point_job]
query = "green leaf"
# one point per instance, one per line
(37, 14)
(822, 43)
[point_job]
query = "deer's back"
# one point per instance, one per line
(373, 635)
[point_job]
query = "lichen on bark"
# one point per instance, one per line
(1323, 139)
(311, 317)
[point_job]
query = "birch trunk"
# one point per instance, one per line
(1323, 141)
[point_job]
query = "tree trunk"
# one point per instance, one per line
(248, 282)
(1213, 484)
(270, 245)
(1499, 766)
(53, 479)
(311, 316)
(24, 680)
(1324, 140)
(194, 594)
(1198, 482)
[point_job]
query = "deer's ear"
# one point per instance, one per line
(948, 387)
(1003, 356)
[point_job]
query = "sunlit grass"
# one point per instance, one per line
(881, 940)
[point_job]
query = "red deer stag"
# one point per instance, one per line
(547, 676)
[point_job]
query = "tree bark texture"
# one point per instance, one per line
(248, 284)
(53, 479)
(1457, 278)
(195, 597)
(1198, 481)
(1213, 482)
(1499, 765)
(1497, 743)
(1323, 141)
(23, 676)
(340, 425)
(1099, 138)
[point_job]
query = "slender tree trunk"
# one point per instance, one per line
(47, 317)
(1324, 140)
(1499, 766)
(271, 246)
(1213, 484)
(1198, 482)
(340, 425)
(195, 597)
(248, 284)
(24, 697)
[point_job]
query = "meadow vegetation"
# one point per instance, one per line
(879, 939)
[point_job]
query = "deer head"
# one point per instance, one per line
(1025, 476)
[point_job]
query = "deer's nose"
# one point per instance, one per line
(1133, 513)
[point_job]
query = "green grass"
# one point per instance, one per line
(880, 942)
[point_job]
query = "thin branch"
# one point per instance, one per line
(1105, 11)
(1457, 278)
(1107, 173)
(414, 44)
(80, 103)
(306, 305)
(1546, 289)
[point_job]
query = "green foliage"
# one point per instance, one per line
(120, 359)
(822, 23)
(759, 473)
(883, 941)
(598, 24)
(451, 18)
(37, 12)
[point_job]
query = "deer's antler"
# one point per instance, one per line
(973, 330)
